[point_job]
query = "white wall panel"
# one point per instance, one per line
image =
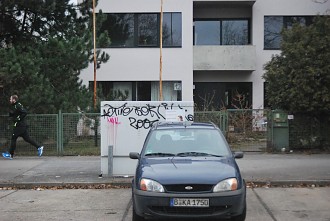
(124, 125)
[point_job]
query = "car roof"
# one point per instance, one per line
(185, 124)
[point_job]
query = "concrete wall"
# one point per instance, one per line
(225, 57)
(260, 9)
(143, 64)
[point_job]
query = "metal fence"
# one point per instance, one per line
(75, 134)
(310, 131)
(61, 134)
(79, 135)
(245, 129)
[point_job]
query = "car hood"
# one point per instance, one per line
(206, 170)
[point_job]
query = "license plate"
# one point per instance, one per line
(189, 202)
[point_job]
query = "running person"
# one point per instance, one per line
(18, 114)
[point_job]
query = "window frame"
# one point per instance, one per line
(136, 34)
(221, 20)
(286, 20)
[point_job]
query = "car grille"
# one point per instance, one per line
(189, 210)
(188, 188)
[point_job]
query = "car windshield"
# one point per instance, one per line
(186, 142)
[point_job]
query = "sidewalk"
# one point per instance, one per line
(261, 168)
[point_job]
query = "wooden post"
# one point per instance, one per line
(161, 55)
(94, 53)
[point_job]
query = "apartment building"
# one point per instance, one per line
(211, 51)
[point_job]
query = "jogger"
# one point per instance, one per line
(18, 114)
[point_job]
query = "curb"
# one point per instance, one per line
(127, 184)
(288, 183)
(115, 185)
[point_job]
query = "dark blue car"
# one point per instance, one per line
(187, 170)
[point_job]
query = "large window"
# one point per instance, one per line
(273, 25)
(120, 28)
(221, 32)
(219, 95)
(138, 90)
(147, 29)
(172, 29)
(142, 30)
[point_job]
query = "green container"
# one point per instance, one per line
(279, 127)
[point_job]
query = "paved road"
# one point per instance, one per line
(285, 168)
(264, 204)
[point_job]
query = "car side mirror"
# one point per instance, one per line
(238, 155)
(134, 155)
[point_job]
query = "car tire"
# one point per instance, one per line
(240, 217)
(136, 217)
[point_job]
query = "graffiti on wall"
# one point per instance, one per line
(141, 117)
(125, 124)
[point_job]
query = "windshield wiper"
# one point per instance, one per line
(213, 155)
(159, 154)
(186, 154)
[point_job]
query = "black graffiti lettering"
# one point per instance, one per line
(142, 111)
(165, 105)
(190, 117)
(152, 111)
(132, 121)
(137, 124)
(137, 111)
(127, 111)
(110, 111)
(158, 112)
(148, 123)
(148, 110)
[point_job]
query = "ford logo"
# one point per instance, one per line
(188, 187)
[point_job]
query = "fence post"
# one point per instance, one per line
(60, 133)
(110, 160)
(224, 121)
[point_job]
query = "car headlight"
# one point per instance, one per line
(151, 185)
(226, 185)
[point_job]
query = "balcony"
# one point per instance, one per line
(225, 58)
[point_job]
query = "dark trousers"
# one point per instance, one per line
(21, 131)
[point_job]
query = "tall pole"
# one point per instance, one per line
(161, 55)
(94, 53)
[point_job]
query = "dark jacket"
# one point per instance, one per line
(18, 114)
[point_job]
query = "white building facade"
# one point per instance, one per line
(212, 50)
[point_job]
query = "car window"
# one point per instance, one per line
(184, 142)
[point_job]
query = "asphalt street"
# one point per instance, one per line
(264, 204)
(255, 167)
(71, 188)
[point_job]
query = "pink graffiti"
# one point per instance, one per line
(113, 120)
